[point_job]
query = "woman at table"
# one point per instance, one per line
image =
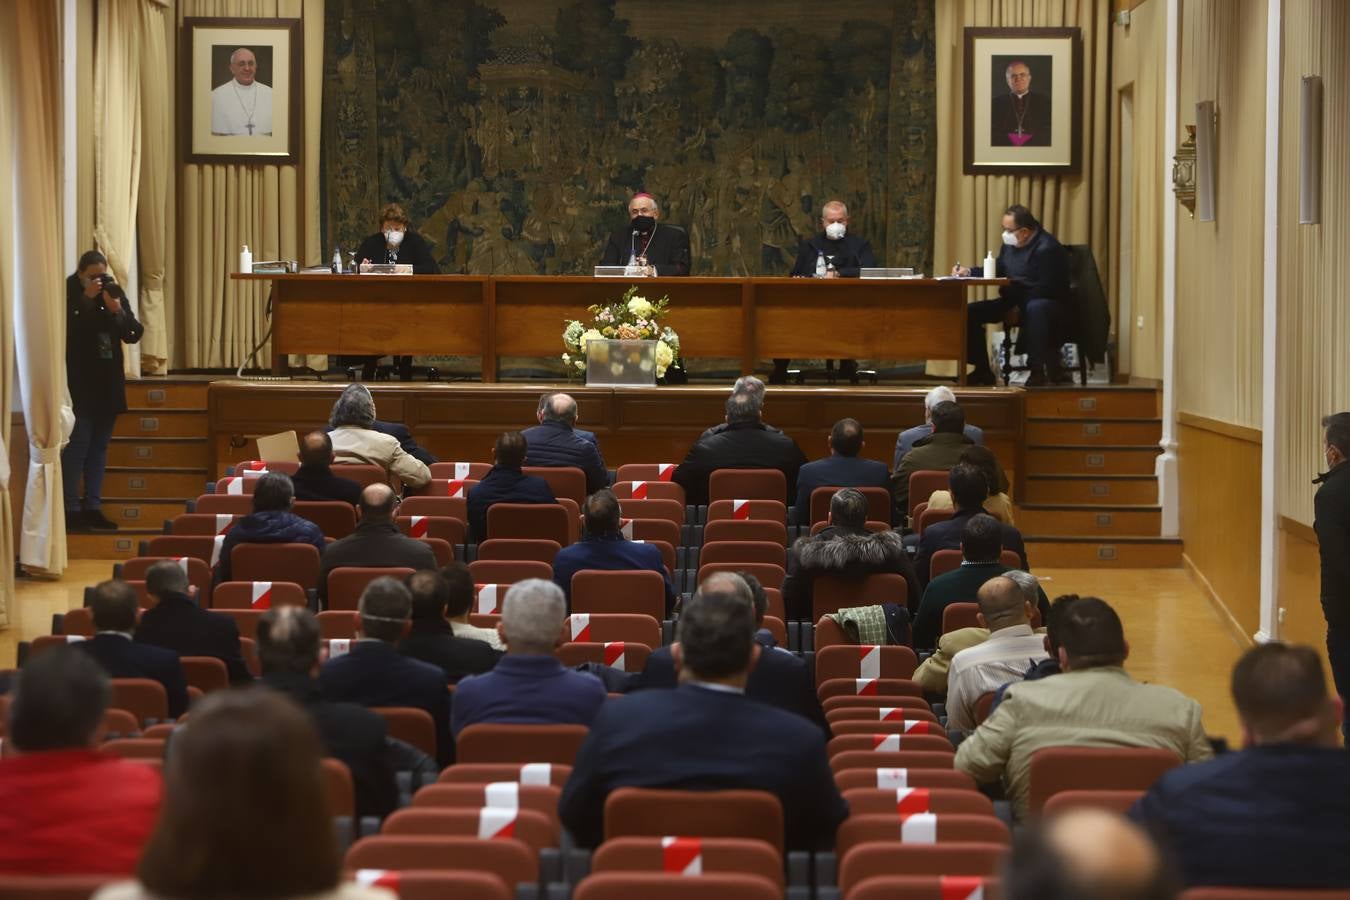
(395, 244)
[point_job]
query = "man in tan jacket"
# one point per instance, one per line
(355, 441)
(1094, 703)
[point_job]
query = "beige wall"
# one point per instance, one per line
(1138, 62)
(1314, 321)
(1218, 332)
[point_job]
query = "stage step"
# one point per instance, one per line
(154, 452)
(154, 484)
(1083, 520)
(1090, 460)
(1119, 432)
(157, 393)
(161, 423)
(1091, 489)
(108, 544)
(142, 514)
(1093, 402)
(1096, 552)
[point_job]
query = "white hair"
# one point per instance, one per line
(939, 394)
(532, 616)
(1027, 582)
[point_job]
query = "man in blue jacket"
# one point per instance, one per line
(605, 547)
(271, 522)
(505, 483)
(554, 442)
(115, 647)
(842, 468)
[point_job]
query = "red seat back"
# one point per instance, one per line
(747, 484)
(564, 481)
(878, 503)
(345, 583)
(757, 815)
(298, 563)
(335, 518)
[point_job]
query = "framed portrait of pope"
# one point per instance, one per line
(1023, 101)
(241, 90)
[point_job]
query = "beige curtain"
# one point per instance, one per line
(34, 27)
(10, 82)
(154, 214)
(1314, 294)
(1072, 207)
(274, 209)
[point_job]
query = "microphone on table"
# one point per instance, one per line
(632, 244)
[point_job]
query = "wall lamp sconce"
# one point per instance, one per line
(1183, 172)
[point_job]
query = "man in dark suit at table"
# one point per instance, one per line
(553, 442)
(707, 735)
(644, 242)
(288, 647)
(604, 547)
(780, 678)
(374, 673)
(842, 468)
(115, 647)
(505, 483)
(747, 443)
(177, 623)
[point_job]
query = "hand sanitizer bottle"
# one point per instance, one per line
(990, 266)
(245, 261)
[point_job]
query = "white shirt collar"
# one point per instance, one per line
(1012, 631)
(719, 688)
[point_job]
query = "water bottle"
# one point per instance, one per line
(337, 261)
(820, 263)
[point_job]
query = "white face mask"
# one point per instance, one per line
(1010, 238)
(835, 230)
(394, 238)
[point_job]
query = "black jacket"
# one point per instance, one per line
(272, 526)
(741, 446)
(352, 734)
(405, 439)
(668, 250)
(852, 554)
(849, 255)
(433, 641)
(374, 673)
(319, 483)
(780, 679)
(837, 471)
(414, 251)
(1038, 270)
(122, 658)
(697, 738)
(947, 536)
(375, 544)
(1331, 521)
(557, 445)
(177, 623)
(94, 339)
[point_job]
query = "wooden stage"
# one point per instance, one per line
(461, 421)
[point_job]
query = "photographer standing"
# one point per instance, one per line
(98, 321)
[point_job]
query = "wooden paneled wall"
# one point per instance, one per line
(1220, 514)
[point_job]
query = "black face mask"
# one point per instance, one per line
(643, 224)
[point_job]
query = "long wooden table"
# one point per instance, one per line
(494, 316)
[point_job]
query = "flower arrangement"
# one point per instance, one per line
(630, 318)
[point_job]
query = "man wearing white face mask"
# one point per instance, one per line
(396, 244)
(834, 253)
(1038, 271)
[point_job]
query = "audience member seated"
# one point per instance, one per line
(939, 451)
(1086, 853)
(288, 646)
(904, 442)
(376, 542)
(746, 443)
(842, 468)
(66, 808)
(603, 546)
(553, 442)
(530, 686)
(780, 678)
(749, 386)
(969, 489)
(356, 440)
(845, 548)
(1050, 665)
(1095, 703)
(314, 480)
(245, 809)
(114, 646)
(1003, 657)
(932, 673)
(1274, 814)
(981, 546)
(505, 483)
(177, 623)
(460, 605)
(433, 640)
(271, 522)
(374, 673)
(999, 505)
(579, 432)
(706, 735)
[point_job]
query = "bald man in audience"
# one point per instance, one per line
(1275, 814)
(1087, 853)
(554, 442)
(1004, 656)
(314, 480)
(376, 542)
